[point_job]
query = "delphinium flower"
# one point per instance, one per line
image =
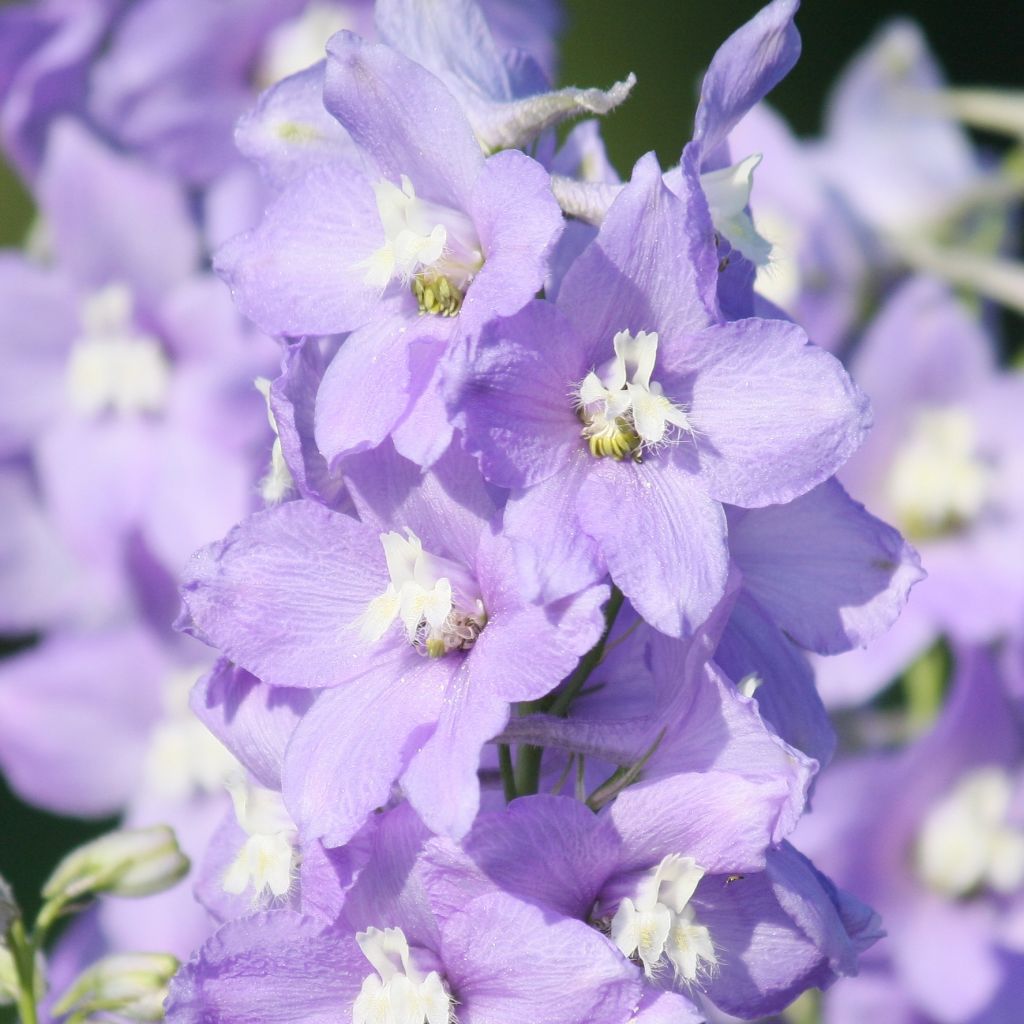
(933, 836)
(513, 547)
(943, 463)
(622, 399)
(401, 951)
(130, 432)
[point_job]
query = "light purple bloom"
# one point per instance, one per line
(399, 944)
(630, 399)
(305, 597)
(943, 463)
(933, 836)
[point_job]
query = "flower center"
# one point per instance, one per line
(969, 842)
(113, 364)
(406, 989)
(268, 858)
(432, 247)
(437, 600)
(622, 410)
(658, 921)
(937, 483)
(184, 757)
(300, 42)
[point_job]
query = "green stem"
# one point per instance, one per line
(528, 757)
(24, 955)
(923, 686)
(508, 778)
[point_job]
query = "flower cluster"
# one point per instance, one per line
(491, 692)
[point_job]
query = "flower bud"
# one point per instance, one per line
(130, 985)
(129, 862)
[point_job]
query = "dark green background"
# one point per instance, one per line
(667, 43)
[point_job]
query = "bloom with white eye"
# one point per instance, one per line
(623, 411)
(968, 840)
(937, 482)
(405, 989)
(433, 248)
(114, 366)
(437, 600)
(658, 921)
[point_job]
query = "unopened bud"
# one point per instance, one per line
(129, 862)
(130, 985)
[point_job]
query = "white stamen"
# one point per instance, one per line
(937, 482)
(113, 365)
(622, 409)
(297, 44)
(404, 990)
(437, 600)
(184, 758)
(268, 858)
(278, 482)
(968, 841)
(728, 195)
(423, 241)
(659, 921)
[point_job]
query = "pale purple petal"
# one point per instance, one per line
(282, 593)
(299, 271)
(662, 537)
(772, 414)
(831, 575)
(355, 741)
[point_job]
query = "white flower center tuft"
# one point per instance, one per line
(968, 841)
(113, 365)
(184, 758)
(437, 600)
(728, 194)
(937, 483)
(404, 990)
(300, 42)
(432, 247)
(278, 482)
(267, 861)
(658, 921)
(622, 409)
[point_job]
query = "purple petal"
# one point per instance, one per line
(277, 967)
(253, 720)
(652, 266)
(752, 645)
(95, 200)
(831, 575)
(507, 961)
(38, 322)
(282, 593)
(75, 719)
(772, 414)
(577, 849)
(355, 742)
(299, 272)
(288, 132)
(747, 66)
(512, 396)
(662, 537)
(369, 383)
(519, 222)
(379, 96)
